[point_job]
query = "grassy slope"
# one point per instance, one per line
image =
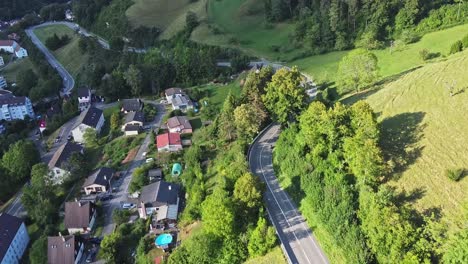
(273, 257)
(243, 20)
(323, 67)
(168, 15)
(217, 93)
(69, 55)
(429, 129)
(11, 70)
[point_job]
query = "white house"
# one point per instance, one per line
(179, 124)
(160, 199)
(131, 105)
(171, 93)
(14, 239)
(64, 249)
(84, 98)
(69, 15)
(2, 62)
(12, 107)
(179, 99)
(57, 165)
(3, 83)
(13, 47)
(90, 118)
(133, 123)
(98, 181)
(79, 217)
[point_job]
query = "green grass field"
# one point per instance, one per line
(323, 67)
(241, 24)
(218, 92)
(69, 55)
(11, 70)
(167, 15)
(428, 129)
(273, 257)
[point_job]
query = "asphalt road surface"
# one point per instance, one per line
(68, 81)
(121, 195)
(298, 242)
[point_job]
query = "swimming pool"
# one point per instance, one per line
(163, 240)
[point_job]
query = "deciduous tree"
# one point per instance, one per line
(357, 69)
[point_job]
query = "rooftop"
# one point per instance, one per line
(84, 92)
(63, 153)
(78, 214)
(177, 121)
(173, 91)
(100, 176)
(9, 226)
(89, 117)
(168, 139)
(160, 192)
(61, 249)
(136, 116)
(131, 105)
(181, 100)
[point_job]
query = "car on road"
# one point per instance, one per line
(149, 160)
(144, 154)
(128, 206)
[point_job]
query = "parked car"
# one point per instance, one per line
(128, 206)
(144, 154)
(149, 160)
(90, 257)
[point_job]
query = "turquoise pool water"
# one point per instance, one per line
(163, 240)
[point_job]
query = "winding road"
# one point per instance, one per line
(297, 240)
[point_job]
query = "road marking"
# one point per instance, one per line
(279, 206)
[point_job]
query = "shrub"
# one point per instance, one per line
(424, 54)
(409, 36)
(456, 47)
(454, 174)
(465, 41)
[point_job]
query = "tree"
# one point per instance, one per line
(357, 69)
(110, 246)
(191, 21)
(247, 120)
(456, 47)
(77, 165)
(115, 122)
(27, 79)
(285, 97)
(39, 198)
(90, 137)
(248, 193)
(218, 214)
(465, 41)
(226, 127)
(133, 77)
(19, 159)
(36, 254)
(262, 239)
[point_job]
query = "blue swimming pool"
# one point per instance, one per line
(163, 240)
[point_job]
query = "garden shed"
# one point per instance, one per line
(176, 169)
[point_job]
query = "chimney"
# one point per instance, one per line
(76, 200)
(105, 177)
(170, 187)
(79, 203)
(63, 238)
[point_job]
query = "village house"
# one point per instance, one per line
(169, 142)
(64, 249)
(13, 47)
(179, 124)
(131, 105)
(57, 165)
(133, 123)
(98, 181)
(79, 217)
(14, 239)
(155, 175)
(2, 62)
(161, 201)
(3, 83)
(90, 118)
(179, 99)
(84, 99)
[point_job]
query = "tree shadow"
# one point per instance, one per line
(400, 134)
(409, 197)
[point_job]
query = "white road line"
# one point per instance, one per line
(279, 206)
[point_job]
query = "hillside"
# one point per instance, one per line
(427, 130)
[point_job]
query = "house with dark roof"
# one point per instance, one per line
(90, 118)
(15, 107)
(79, 217)
(131, 105)
(172, 93)
(179, 99)
(160, 199)
(84, 98)
(133, 123)
(155, 175)
(169, 142)
(179, 124)
(57, 165)
(98, 181)
(14, 239)
(64, 249)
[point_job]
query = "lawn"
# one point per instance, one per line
(426, 129)
(218, 92)
(241, 24)
(324, 67)
(69, 55)
(11, 71)
(167, 15)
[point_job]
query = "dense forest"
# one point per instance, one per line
(12, 9)
(323, 25)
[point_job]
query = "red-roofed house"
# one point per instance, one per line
(12, 47)
(169, 142)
